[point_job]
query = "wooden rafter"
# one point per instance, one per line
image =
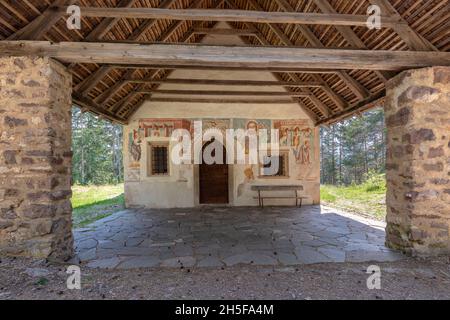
(408, 35)
(108, 23)
(119, 84)
(340, 103)
(225, 32)
(86, 103)
(264, 41)
(166, 35)
(97, 76)
(376, 100)
(351, 83)
(350, 36)
(39, 26)
(112, 90)
(90, 82)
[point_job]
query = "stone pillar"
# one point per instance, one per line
(35, 158)
(418, 161)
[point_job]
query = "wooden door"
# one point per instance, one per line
(214, 182)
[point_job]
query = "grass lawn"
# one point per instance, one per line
(358, 199)
(91, 203)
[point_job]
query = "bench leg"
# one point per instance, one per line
(259, 198)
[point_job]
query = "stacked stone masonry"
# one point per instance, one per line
(418, 161)
(35, 158)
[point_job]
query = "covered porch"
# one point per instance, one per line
(322, 61)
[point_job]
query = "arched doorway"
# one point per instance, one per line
(214, 180)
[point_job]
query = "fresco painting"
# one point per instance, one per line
(249, 177)
(219, 124)
(161, 128)
(134, 149)
(299, 136)
(254, 124)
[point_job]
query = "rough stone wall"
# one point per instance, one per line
(35, 158)
(418, 161)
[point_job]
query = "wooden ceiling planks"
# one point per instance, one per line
(426, 26)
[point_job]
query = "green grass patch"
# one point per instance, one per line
(92, 203)
(41, 282)
(367, 199)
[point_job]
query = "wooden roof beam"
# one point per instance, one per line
(240, 83)
(223, 100)
(225, 93)
(228, 56)
(132, 66)
(233, 16)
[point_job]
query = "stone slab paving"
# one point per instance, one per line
(218, 237)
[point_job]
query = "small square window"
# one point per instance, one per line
(158, 159)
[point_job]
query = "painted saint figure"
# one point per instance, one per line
(284, 139)
(306, 159)
(296, 145)
(135, 145)
(252, 126)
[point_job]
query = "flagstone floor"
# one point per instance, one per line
(215, 237)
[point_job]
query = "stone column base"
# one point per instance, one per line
(35, 158)
(418, 161)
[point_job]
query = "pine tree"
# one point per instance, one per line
(97, 147)
(352, 148)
